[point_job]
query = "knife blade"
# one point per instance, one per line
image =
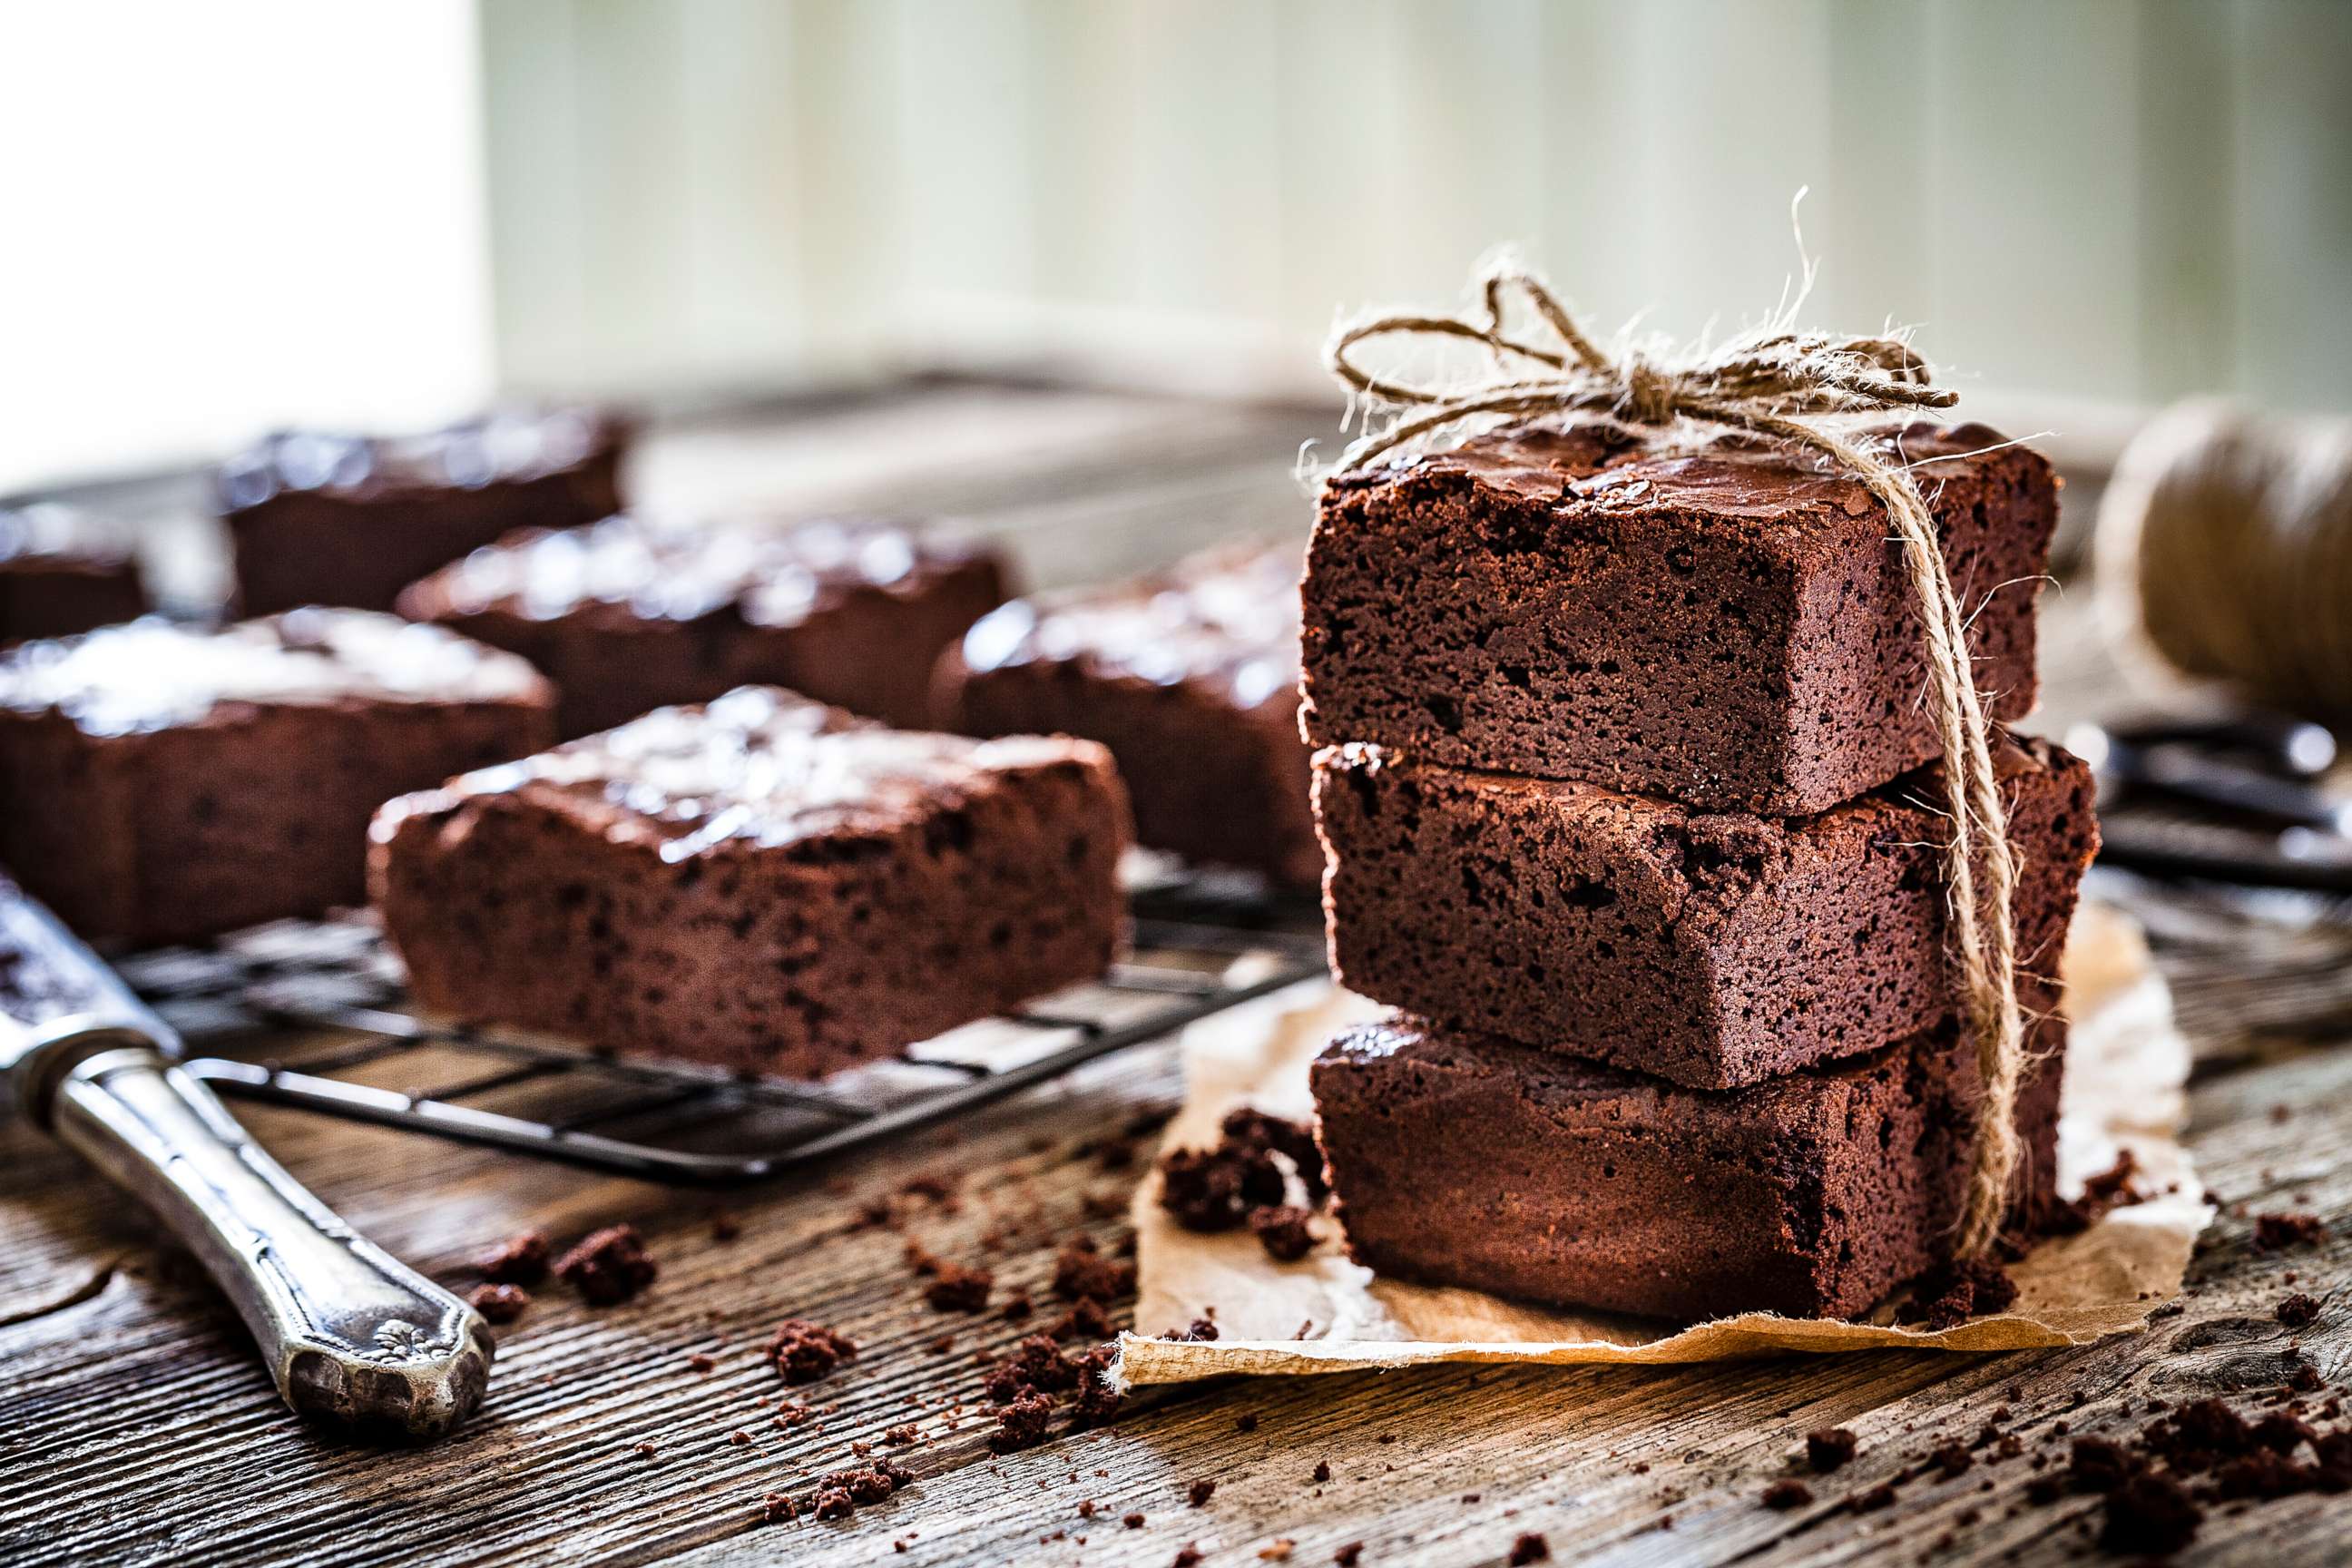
(351, 1336)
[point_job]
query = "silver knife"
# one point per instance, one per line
(352, 1336)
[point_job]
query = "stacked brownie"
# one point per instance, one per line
(1189, 675)
(631, 613)
(1632, 803)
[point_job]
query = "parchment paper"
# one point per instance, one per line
(2127, 1065)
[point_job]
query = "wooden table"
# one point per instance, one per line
(136, 1428)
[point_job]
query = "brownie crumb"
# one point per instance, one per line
(1828, 1448)
(1246, 1422)
(1199, 1493)
(2151, 1514)
(1187, 1556)
(702, 1363)
(1952, 1293)
(900, 1437)
(2277, 1232)
(1080, 1270)
(2099, 1464)
(1783, 1496)
(519, 1260)
(803, 1351)
(1085, 1319)
(499, 1303)
(955, 1289)
(1021, 1423)
(725, 1226)
(1201, 1331)
(1097, 1402)
(608, 1267)
(1283, 1232)
(1878, 1497)
(1322, 1471)
(1035, 1366)
(1017, 1308)
(1347, 1556)
(2297, 1311)
(778, 1507)
(1951, 1459)
(1530, 1547)
(1132, 1521)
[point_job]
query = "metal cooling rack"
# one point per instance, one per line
(328, 994)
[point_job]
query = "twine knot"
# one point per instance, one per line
(1780, 385)
(1652, 395)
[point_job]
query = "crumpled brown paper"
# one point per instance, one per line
(2126, 1066)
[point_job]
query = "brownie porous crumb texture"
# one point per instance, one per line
(956, 1288)
(2298, 1311)
(1734, 629)
(764, 884)
(499, 1303)
(1824, 1189)
(1022, 1422)
(802, 1352)
(2278, 1232)
(1284, 1232)
(517, 1261)
(608, 1266)
(1247, 1179)
(1830, 1448)
(1714, 950)
(1530, 1547)
(1080, 1271)
(1950, 1293)
(1784, 1495)
(1199, 1493)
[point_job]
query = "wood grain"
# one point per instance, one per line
(135, 1426)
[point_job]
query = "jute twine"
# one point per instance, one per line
(1781, 384)
(2224, 549)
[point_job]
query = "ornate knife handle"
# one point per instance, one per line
(350, 1334)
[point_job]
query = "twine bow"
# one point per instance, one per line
(1778, 384)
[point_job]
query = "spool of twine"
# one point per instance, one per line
(2223, 553)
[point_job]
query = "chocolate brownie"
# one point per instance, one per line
(1730, 628)
(1710, 948)
(766, 883)
(159, 783)
(1189, 677)
(630, 615)
(1462, 1160)
(320, 518)
(59, 575)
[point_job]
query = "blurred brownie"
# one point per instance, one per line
(58, 575)
(629, 615)
(319, 518)
(1189, 677)
(161, 784)
(1461, 1160)
(1731, 628)
(766, 883)
(1710, 948)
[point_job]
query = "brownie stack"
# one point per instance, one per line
(1631, 801)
